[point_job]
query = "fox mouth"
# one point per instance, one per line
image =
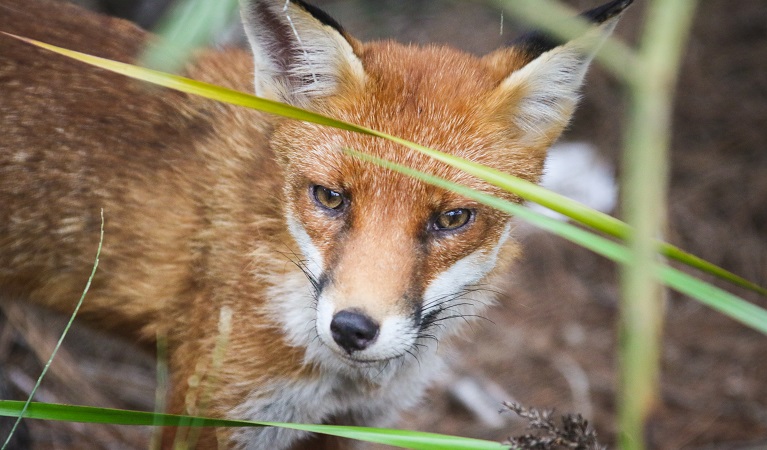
(357, 362)
(360, 361)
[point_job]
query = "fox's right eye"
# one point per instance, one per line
(328, 198)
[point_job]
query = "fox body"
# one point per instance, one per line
(292, 281)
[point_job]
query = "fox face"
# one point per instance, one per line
(387, 267)
(394, 262)
(391, 256)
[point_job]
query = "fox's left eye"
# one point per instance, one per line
(328, 198)
(452, 220)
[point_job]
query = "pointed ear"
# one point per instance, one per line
(301, 54)
(541, 95)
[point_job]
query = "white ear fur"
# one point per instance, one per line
(298, 58)
(547, 89)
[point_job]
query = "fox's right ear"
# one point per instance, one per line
(541, 92)
(301, 54)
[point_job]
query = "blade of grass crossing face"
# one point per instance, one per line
(576, 211)
(677, 254)
(61, 338)
(718, 299)
(529, 191)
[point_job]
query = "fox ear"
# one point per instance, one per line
(301, 54)
(543, 92)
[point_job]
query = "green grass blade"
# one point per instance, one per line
(677, 254)
(28, 402)
(200, 88)
(644, 192)
(718, 299)
(88, 414)
(578, 212)
(525, 189)
(189, 25)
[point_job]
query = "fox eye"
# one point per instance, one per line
(452, 220)
(328, 198)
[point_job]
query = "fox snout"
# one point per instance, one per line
(363, 312)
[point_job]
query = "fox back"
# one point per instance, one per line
(293, 280)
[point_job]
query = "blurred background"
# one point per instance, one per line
(550, 343)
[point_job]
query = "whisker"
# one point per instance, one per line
(409, 352)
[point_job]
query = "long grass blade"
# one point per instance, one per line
(525, 189)
(87, 414)
(578, 212)
(718, 299)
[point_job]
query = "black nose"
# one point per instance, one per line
(353, 331)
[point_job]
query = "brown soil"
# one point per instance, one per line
(552, 339)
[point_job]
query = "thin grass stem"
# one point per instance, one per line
(645, 169)
(61, 338)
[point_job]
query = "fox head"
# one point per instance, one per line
(394, 261)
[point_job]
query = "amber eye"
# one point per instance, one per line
(452, 220)
(328, 198)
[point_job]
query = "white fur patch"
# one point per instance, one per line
(325, 310)
(551, 83)
(313, 260)
(313, 401)
(395, 338)
(291, 299)
(466, 271)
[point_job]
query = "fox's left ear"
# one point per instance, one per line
(541, 95)
(301, 54)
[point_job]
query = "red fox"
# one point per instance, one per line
(339, 278)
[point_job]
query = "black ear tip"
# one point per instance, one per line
(536, 43)
(319, 14)
(607, 11)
